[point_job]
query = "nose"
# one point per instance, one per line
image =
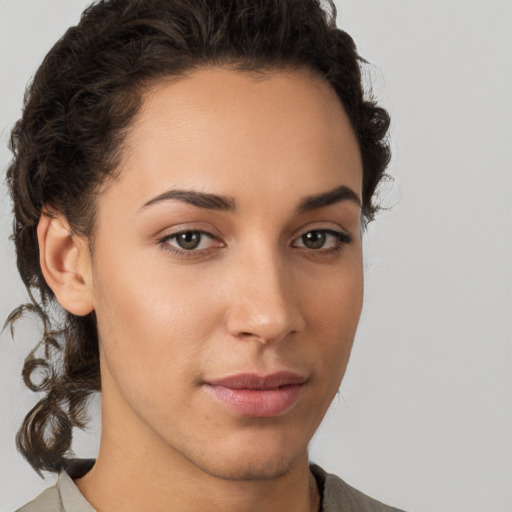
(264, 304)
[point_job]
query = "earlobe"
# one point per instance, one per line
(66, 264)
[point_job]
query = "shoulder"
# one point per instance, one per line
(47, 501)
(338, 495)
(64, 496)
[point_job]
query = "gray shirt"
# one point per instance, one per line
(337, 496)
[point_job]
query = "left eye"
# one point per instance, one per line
(189, 240)
(321, 239)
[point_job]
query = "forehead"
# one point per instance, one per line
(229, 131)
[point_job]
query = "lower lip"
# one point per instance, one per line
(261, 403)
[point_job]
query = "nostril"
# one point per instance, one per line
(259, 337)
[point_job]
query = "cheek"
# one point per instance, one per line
(151, 318)
(336, 302)
(333, 315)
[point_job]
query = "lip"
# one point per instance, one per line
(262, 396)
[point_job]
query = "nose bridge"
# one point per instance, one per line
(264, 304)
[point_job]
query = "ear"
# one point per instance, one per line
(66, 263)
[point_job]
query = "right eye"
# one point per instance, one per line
(188, 241)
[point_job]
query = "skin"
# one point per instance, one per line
(252, 298)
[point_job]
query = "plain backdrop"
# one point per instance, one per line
(424, 416)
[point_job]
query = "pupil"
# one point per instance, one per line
(314, 239)
(189, 240)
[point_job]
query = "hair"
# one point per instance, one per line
(68, 141)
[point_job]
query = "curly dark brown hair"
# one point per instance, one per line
(76, 112)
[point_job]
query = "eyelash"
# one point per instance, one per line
(342, 239)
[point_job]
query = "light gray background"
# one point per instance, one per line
(424, 416)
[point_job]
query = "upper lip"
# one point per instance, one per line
(255, 381)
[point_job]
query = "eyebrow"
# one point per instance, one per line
(199, 199)
(226, 203)
(337, 195)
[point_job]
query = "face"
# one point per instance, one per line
(227, 270)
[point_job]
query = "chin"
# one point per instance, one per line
(251, 460)
(265, 468)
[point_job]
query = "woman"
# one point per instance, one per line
(190, 184)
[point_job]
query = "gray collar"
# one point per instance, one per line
(71, 498)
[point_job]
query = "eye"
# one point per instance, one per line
(188, 241)
(325, 239)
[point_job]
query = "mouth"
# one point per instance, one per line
(262, 396)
